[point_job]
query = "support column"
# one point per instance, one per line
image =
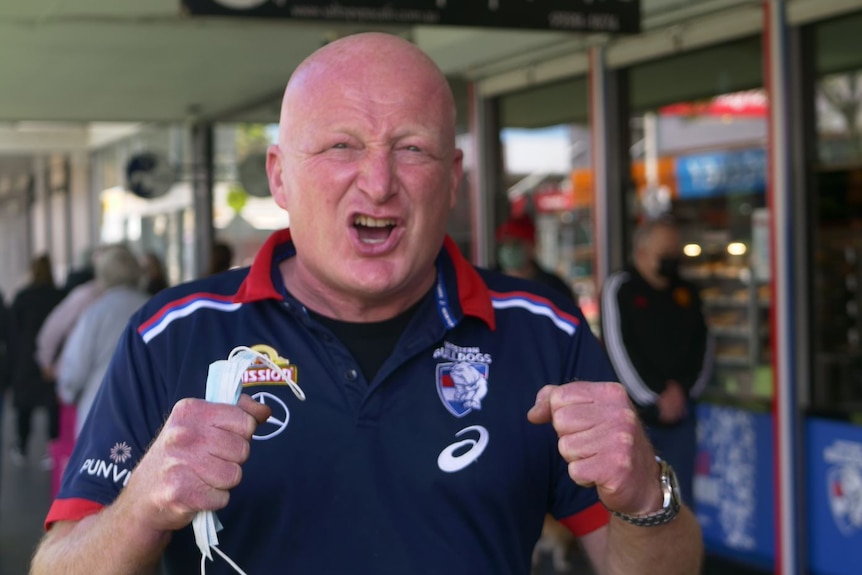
(203, 169)
(39, 212)
(783, 230)
(484, 175)
(610, 164)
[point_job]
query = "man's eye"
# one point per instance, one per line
(414, 149)
(340, 146)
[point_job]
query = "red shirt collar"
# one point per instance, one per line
(473, 294)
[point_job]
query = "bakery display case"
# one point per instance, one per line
(736, 299)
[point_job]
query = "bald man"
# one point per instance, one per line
(439, 424)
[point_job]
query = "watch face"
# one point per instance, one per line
(675, 497)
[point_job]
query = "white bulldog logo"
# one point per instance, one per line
(462, 386)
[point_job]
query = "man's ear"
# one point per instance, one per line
(275, 176)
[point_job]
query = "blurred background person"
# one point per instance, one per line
(91, 344)
(30, 390)
(221, 258)
(516, 256)
(82, 271)
(155, 279)
(656, 336)
(59, 323)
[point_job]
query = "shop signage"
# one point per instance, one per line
(721, 173)
(734, 483)
(252, 175)
(611, 16)
(554, 200)
(747, 104)
(149, 175)
(834, 499)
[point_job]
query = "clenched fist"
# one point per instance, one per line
(195, 460)
(602, 440)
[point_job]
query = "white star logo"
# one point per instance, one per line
(121, 452)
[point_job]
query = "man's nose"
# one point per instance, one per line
(376, 178)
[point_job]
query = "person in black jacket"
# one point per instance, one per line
(30, 390)
(657, 339)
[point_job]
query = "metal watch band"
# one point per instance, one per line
(651, 520)
(670, 503)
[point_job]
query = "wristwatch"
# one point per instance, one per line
(670, 502)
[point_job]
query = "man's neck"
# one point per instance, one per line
(351, 307)
(655, 281)
(527, 272)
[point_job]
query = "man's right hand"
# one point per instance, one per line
(194, 461)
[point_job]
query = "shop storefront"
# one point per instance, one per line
(145, 200)
(698, 152)
(545, 140)
(697, 146)
(833, 427)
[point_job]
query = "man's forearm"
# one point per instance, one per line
(675, 548)
(109, 542)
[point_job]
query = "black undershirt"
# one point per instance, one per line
(372, 342)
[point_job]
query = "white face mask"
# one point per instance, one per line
(224, 385)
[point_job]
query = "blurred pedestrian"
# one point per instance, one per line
(30, 390)
(59, 324)
(82, 272)
(221, 258)
(516, 254)
(91, 344)
(656, 336)
(155, 278)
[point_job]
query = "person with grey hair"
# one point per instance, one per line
(91, 343)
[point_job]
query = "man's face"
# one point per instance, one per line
(367, 169)
(662, 243)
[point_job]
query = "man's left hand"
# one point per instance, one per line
(603, 442)
(672, 403)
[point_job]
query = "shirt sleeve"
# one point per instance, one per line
(576, 507)
(128, 411)
(628, 365)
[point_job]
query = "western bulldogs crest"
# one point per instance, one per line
(462, 386)
(845, 498)
(462, 382)
(844, 482)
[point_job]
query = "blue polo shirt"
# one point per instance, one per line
(431, 468)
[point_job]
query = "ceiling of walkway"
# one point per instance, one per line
(130, 60)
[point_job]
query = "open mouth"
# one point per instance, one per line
(373, 230)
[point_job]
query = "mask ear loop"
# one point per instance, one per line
(297, 391)
(294, 387)
(224, 556)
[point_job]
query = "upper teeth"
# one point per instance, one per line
(370, 222)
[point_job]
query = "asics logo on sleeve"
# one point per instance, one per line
(453, 458)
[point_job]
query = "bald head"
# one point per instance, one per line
(367, 168)
(354, 63)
